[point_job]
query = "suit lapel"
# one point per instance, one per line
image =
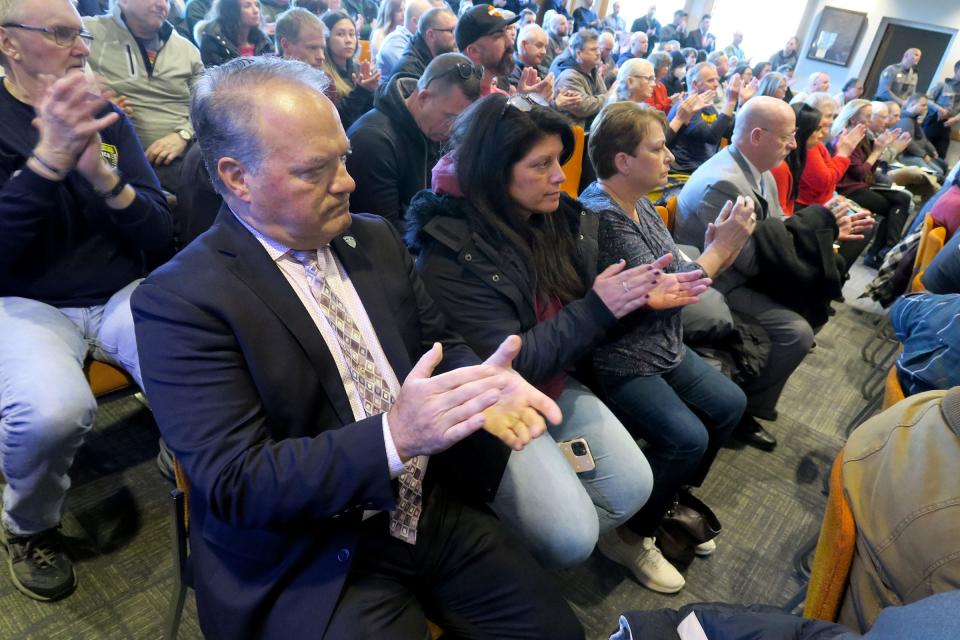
(366, 279)
(247, 259)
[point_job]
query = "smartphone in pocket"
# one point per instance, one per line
(577, 453)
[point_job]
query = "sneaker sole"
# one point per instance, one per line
(701, 554)
(36, 596)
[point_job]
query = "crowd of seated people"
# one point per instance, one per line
(370, 267)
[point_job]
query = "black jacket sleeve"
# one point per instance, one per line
(485, 316)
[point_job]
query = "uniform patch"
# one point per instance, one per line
(109, 153)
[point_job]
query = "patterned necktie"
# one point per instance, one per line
(374, 392)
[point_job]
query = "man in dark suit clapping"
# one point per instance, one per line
(288, 354)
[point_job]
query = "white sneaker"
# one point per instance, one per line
(706, 548)
(644, 561)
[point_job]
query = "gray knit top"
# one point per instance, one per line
(647, 342)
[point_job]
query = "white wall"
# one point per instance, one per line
(943, 13)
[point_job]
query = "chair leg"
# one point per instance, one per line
(178, 535)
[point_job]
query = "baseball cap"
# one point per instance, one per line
(481, 20)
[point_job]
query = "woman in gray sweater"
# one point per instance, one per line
(663, 392)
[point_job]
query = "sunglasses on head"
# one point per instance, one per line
(524, 102)
(464, 69)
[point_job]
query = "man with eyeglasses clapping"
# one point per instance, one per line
(80, 211)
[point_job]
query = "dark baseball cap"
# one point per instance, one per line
(481, 20)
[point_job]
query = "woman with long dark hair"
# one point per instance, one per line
(810, 173)
(663, 392)
(354, 83)
(232, 30)
(503, 251)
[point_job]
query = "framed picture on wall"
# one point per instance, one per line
(837, 36)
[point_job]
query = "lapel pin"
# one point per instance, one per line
(350, 240)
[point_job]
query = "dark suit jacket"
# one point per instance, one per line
(249, 399)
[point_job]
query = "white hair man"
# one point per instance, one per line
(80, 208)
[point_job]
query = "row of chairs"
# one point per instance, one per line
(882, 349)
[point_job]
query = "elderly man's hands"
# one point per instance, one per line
(432, 413)
(165, 150)
(693, 103)
(530, 82)
(729, 232)
(68, 123)
(567, 99)
(518, 417)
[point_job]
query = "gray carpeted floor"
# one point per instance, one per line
(769, 503)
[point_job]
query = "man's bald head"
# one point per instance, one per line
(764, 131)
(411, 15)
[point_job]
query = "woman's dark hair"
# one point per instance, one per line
(759, 67)
(849, 84)
(741, 68)
(227, 14)
(488, 139)
(808, 122)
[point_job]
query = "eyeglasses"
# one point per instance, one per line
(647, 78)
(783, 138)
(63, 36)
(444, 30)
(464, 69)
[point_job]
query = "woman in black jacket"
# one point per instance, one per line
(232, 31)
(503, 252)
(354, 83)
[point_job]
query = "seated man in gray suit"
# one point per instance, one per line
(763, 136)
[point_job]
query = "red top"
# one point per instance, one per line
(553, 387)
(821, 175)
(946, 210)
(246, 50)
(784, 179)
(660, 99)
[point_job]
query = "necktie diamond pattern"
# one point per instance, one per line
(375, 394)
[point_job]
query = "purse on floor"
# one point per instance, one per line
(689, 522)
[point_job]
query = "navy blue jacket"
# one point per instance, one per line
(250, 400)
(59, 242)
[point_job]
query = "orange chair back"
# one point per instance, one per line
(573, 169)
(892, 391)
(931, 242)
(834, 555)
(364, 51)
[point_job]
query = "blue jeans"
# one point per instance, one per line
(46, 406)
(684, 415)
(558, 513)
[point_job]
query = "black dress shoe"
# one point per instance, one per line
(752, 433)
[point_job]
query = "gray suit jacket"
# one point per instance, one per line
(724, 177)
